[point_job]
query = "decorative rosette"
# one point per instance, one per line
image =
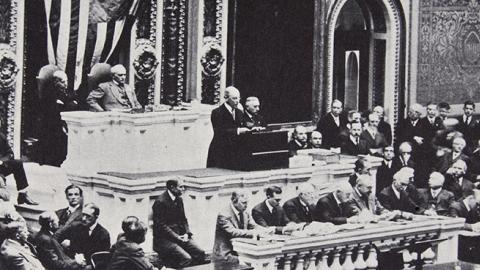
(145, 62)
(8, 68)
(212, 58)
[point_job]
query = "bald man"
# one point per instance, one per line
(331, 124)
(227, 122)
(456, 182)
(436, 199)
(115, 94)
(252, 117)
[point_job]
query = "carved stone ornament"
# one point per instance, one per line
(8, 68)
(145, 62)
(212, 58)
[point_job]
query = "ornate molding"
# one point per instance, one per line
(10, 125)
(145, 62)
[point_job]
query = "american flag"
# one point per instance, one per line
(82, 33)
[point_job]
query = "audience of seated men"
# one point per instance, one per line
(50, 252)
(445, 162)
(385, 171)
(363, 198)
(299, 140)
(331, 124)
(252, 118)
(233, 221)
(395, 197)
(172, 238)
(383, 126)
(73, 212)
(316, 139)
(128, 254)
(17, 252)
(375, 139)
(87, 236)
(435, 199)
(301, 208)
(469, 124)
(269, 213)
(456, 182)
(335, 206)
(353, 144)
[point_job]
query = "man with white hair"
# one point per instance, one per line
(227, 122)
(436, 199)
(395, 197)
(446, 161)
(374, 138)
(252, 117)
(115, 94)
(335, 206)
(411, 129)
(383, 126)
(331, 124)
(300, 209)
(363, 198)
(456, 182)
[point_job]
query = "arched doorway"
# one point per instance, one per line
(374, 29)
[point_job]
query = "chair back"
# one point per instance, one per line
(100, 260)
(45, 75)
(99, 73)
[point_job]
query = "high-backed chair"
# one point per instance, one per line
(100, 260)
(99, 73)
(44, 78)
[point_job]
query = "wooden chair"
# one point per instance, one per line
(99, 73)
(100, 260)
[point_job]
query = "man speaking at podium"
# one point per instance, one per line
(227, 122)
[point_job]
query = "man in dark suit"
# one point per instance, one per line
(335, 206)
(17, 253)
(431, 123)
(299, 140)
(234, 222)
(362, 166)
(443, 110)
(363, 198)
(375, 139)
(383, 126)
(73, 212)
(172, 238)
(406, 159)
(227, 124)
(354, 145)
(85, 237)
(115, 94)
(435, 199)
(446, 161)
(395, 197)
(50, 252)
(467, 208)
(252, 117)
(456, 182)
(468, 124)
(9, 165)
(331, 124)
(410, 129)
(385, 171)
(300, 209)
(269, 213)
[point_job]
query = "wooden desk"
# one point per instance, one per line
(219, 266)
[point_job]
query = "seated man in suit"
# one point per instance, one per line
(16, 251)
(375, 139)
(468, 208)
(445, 162)
(385, 171)
(172, 238)
(252, 117)
(331, 124)
(456, 182)
(227, 122)
(363, 198)
(362, 166)
(115, 94)
(335, 206)
(316, 139)
(299, 140)
(85, 237)
(50, 252)
(395, 196)
(383, 126)
(234, 222)
(269, 213)
(300, 209)
(128, 254)
(73, 212)
(435, 199)
(354, 145)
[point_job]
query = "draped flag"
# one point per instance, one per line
(82, 33)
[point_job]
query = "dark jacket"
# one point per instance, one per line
(254, 121)
(263, 217)
(458, 209)
(470, 131)
(378, 142)
(169, 220)
(390, 201)
(6, 152)
(386, 130)
(129, 256)
(446, 161)
(460, 192)
(330, 130)
(65, 219)
(296, 212)
(223, 148)
(406, 131)
(83, 243)
(440, 204)
(429, 131)
(294, 146)
(384, 177)
(328, 210)
(349, 148)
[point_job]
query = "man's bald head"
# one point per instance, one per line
(300, 133)
(232, 96)
(252, 105)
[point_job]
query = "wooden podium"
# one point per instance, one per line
(263, 150)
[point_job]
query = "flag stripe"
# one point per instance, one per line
(54, 24)
(64, 34)
(101, 36)
(82, 41)
(50, 53)
(108, 40)
(73, 41)
(119, 25)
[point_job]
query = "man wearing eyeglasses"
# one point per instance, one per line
(396, 196)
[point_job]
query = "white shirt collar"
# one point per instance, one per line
(90, 230)
(397, 193)
(431, 119)
(460, 180)
(171, 195)
(414, 123)
(237, 213)
(73, 209)
(388, 163)
(270, 208)
(336, 199)
(229, 108)
(465, 202)
(336, 119)
(301, 202)
(354, 139)
(465, 118)
(435, 192)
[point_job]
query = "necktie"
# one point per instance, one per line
(365, 200)
(305, 208)
(241, 221)
(357, 141)
(233, 114)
